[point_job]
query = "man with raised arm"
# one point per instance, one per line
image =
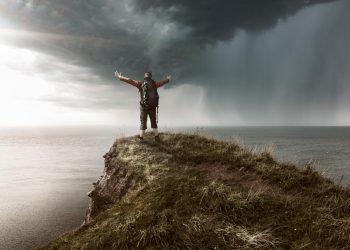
(149, 99)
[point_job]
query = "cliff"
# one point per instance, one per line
(192, 192)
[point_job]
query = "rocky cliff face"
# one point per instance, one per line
(191, 192)
(128, 166)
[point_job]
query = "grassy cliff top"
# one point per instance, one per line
(192, 192)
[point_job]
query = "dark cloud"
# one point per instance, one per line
(293, 73)
(105, 34)
(63, 17)
(90, 33)
(211, 20)
(286, 59)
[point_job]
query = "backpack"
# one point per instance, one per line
(149, 93)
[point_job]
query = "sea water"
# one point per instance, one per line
(46, 172)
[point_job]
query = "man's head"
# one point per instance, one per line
(148, 74)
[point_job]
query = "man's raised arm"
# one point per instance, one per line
(128, 80)
(163, 82)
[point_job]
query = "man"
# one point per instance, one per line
(148, 100)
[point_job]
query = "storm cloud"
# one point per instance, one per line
(141, 35)
(285, 59)
(211, 21)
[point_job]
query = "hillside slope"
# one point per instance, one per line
(192, 192)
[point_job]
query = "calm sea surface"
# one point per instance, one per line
(46, 172)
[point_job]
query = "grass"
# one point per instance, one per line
(191, 192)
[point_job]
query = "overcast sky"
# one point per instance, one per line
(241, 62)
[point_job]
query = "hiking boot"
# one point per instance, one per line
(139, 139)
(157, 138)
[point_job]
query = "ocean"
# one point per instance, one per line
(46, 172)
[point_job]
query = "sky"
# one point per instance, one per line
(233, 63)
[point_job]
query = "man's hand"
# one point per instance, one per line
(117, 74)
(168, 77)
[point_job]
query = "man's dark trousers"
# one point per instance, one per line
(148, 111)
